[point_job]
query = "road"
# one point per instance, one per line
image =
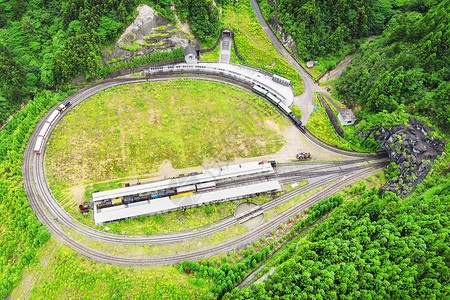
(306, 100)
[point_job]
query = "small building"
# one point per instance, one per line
(227, 32)
(310, 64)
(346, 117)
(190, 55)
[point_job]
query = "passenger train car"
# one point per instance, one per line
(48, 123)
(261, 90)
(44, 131)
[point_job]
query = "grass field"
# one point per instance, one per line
(319, 124)
(132, 250)
(60, 273)
(130, 130)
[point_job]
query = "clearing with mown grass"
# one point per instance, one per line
(131, 129)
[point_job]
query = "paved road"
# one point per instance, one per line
(225, 50)
(306, 100)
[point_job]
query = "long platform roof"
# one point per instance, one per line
(207, 175)
(165, 204)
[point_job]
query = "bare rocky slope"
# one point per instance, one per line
(413, 148)
(149, 32)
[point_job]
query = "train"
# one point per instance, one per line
(275, 100)
(48, 123)
(44, 131)
(272, 95)
(64, 106)
(172, 193)
(214, 70)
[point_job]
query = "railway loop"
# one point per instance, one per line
(332, 175)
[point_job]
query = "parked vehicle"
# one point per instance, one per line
(303, 156)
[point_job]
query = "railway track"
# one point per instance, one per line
(227, 246)
(57, 220)
(313, 139)
(64, 218)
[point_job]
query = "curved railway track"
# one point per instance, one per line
(318, 142)
(57, 220)
(227, 246)
(36, 170)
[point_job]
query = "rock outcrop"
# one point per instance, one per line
(149, 32)
(286, 38)
(413, 148)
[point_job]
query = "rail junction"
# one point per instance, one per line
(333, 175)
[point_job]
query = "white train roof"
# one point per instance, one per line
(241, 72)
(39, 142)
(161, 205)
(44, 129)
(207, 175)
(53, 116)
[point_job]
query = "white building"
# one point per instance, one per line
(346, 117)
(190, 55)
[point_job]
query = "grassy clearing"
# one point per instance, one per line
(60, 273)
(296, 111)
(319, 124)
(151, 36)
(254, 45)
(157, 250)
(133, 47)
(350, 133)
(132, 129)
(289, 188)
(268, 215)
(212, 56)
(376, 180)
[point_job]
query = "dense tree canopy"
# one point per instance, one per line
(380, 247)
(323, 26)
(406, 68)
(45, 44)
(202, 16)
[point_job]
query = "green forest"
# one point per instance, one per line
(44, 44)
(372, 247)
(405, 69)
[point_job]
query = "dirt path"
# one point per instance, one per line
(23, 291)
(336, 72)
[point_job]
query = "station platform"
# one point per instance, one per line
(164, 205)
(215, 174)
